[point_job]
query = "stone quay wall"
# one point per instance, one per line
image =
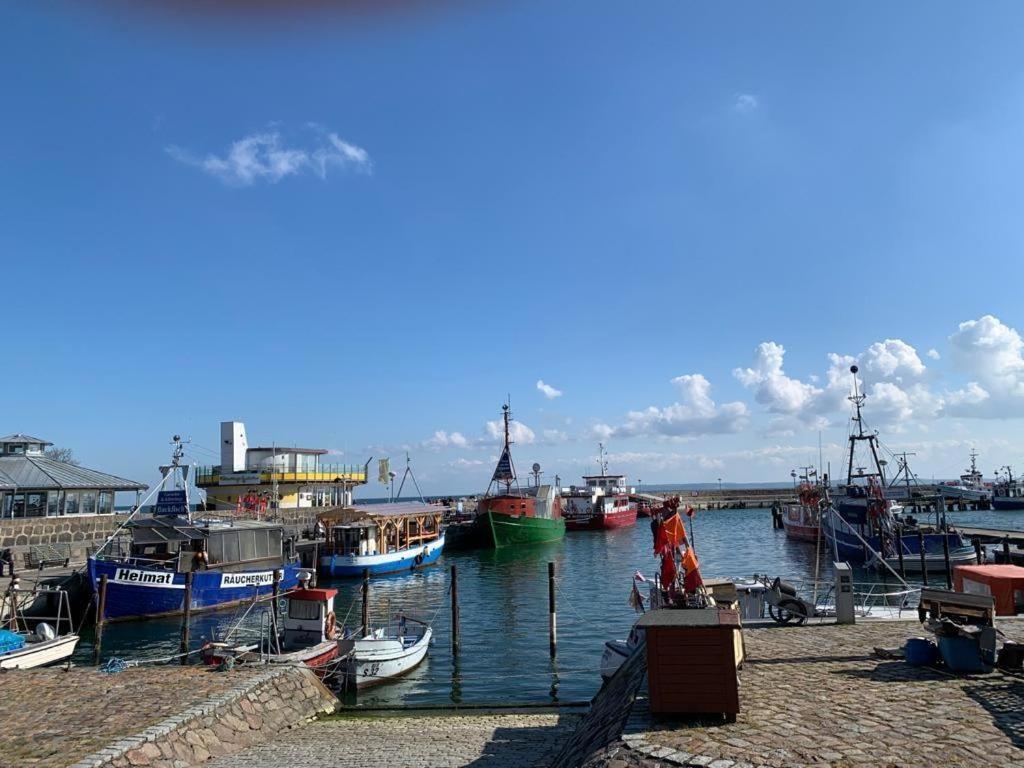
(250, 713)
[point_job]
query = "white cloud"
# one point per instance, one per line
(462, 463)
(772, 387)
(745, 103)
(265, 157)
(442, 439)
(547, 390)
(989, 352)
(554, 436)
(519, 432)
(695, 414)
(892, 358)
(933, 354)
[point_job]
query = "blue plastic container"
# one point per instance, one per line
(961, 654)
(920, 652)
(9, 641)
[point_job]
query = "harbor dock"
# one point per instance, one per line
(816, 695)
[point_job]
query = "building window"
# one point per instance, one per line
(53, 503)
(88, 502)
(35, 504)
(106, 503)
(18, 505)
(71, 503)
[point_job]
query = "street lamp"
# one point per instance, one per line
(793, 475)
(640, 484)
(719, 485)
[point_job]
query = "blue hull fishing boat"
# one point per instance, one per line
(382, 538)
(864, 526)
(146, 562)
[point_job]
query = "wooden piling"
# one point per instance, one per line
(552, 617)
(899, 552)
(455, 610)
(945, 557)
(1006, 550)
(186, 618)
(366, 602)
(101, 610)
(924, 560)
(978, 552)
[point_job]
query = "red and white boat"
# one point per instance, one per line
(602, 503)
(309, 635)
(802, 521)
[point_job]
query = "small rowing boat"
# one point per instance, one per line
(384, 654)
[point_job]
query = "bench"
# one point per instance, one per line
(45, 555)
(965, 607)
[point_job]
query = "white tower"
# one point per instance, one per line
(233, 446)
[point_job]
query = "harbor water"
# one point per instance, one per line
(503, 599)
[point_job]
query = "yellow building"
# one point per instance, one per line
(275, 476)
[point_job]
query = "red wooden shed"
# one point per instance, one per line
(1003, 582)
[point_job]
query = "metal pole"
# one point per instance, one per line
(1006, 550)
(186, 617)
(899, 551)
(455, 610)
(552, 617)
(277, 610)
(366, 602)
(101, 609)
(945, 555)
(924, 562)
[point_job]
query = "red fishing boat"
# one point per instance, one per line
(802, 520)
(600, 504)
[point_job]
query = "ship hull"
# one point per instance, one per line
(351, 566)
(1003, 503)
(520, 530)
(800, 524)
(603, 521)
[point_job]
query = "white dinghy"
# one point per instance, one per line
(26, 641)
(383, 654)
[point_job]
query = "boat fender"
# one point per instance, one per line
(330, 630)
(419, 559)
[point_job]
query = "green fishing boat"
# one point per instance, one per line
(517, 517)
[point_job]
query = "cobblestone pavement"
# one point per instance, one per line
(438, 741)
(817, 696)
(52, 718)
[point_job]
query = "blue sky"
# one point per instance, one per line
(363, 231)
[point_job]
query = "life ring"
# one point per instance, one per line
(330, 629)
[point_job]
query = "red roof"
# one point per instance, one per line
(318, 595)
(998, 571)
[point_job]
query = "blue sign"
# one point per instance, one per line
(171, 503)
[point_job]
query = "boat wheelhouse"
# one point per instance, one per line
(802, 520)
(147, 562)
(382, 538)
(1008, 493)
(519, 516)
(602, 503)
(971, 486)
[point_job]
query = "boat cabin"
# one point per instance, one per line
(605, 482)
(309, 619)
(381, 529)
(183, 546)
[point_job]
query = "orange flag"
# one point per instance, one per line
(675, 531)
(691, 571)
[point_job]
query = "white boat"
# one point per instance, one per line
(971, 486)
(617, 651)
(23, 646)
(383, 655)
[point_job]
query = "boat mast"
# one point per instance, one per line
(602, 463)
(858, 399)
(507, 414)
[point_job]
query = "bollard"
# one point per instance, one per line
(945, 556)
(924, 561)
(899, 551)
(552, 618)
(101, 609)
(1006, 551)
(186, 617)
(366, 602)
(455, 610)
(978, 553)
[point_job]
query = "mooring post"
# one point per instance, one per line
(186, 618)
(277, 594)
(316, 563)
(924, 560)
(366, 602)
(945, 556)
(552, 617)
(101, 610)
(978, 552)
(899, 551)
(455, 610)
(1006, 550)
